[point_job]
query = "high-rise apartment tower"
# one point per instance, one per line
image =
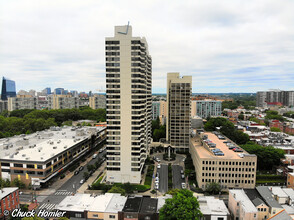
(178, 123)
(128, 105)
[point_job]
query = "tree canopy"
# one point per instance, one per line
(183, 206)
(267, 157)
(227, 128)
(213, 188)
(274, 115)
(158, 131)
(27, 121)
(117, 189)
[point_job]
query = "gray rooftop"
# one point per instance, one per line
(283, 215)
(42, 145)
(268, 196)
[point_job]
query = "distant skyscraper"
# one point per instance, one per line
(59, 91)
(128, 104)
(47, 91)
(178, 124)
(8, 89)
(264, 98)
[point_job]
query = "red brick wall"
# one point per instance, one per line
(13, 203)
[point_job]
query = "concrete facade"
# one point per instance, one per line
(129, 105)
(178, 123)
(62, 102)
(206, 108)
(97, 101)
(22, 102)
(232, 170)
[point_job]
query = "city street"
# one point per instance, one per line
(163, 178)
(177, 177)
(68, 188)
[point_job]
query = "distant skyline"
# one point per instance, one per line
(227, 46)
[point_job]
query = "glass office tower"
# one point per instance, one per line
(8, 89)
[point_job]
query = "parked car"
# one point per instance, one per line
(82, 181)
(156, 186)
(183, 185)
(183, 176)
(182, 171)
(76, 172)
(158, 166)
(94, 156)
(81, 168)
(156, 179)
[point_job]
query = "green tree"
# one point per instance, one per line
(90, 167)
(116, 189)
(86, 175)
(267, 157)
(213, 188)
(241, 117)
(274, 129)
(227, 128)
(183, 206)
(18, 183)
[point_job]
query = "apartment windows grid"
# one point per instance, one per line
(179, 108)
(128, 104)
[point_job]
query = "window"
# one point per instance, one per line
(30, 166)
(111, 216)
(18, 171)
(95, 215)
(78, 215)
(18, 165)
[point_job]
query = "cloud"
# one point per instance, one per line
(227, 46)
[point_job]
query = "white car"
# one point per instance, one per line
(156, 179)
(156, 186)
(82, 181)
(157, 159)
(183, 185)
(158, 166)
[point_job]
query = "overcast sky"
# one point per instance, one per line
(227, 45)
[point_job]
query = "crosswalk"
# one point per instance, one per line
(48, 206)
(63, 193)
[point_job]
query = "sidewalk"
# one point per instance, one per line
(56, 184)
(91, 179)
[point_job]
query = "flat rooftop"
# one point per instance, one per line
(149, 205)
(133, 204)
(240, 195)
(43, 145)
(116, 203)
(211, 206)
(228, 154)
